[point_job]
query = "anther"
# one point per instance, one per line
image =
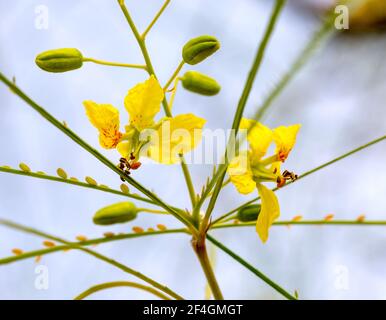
(135, 165)
(81, 238)
(280, 181)
(137, 229)
(48, 244)
(161, 227)
(17, 251)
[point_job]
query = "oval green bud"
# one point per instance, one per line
(91, 181)
(198, 49)
(249, 213)
(120, 212)
(124, 188)
(60, 60)
(61, 173)
(24, 167)
(200, 83)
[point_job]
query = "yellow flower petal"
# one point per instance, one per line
(285, 139)
(105, 118)
(175, 136)
(259, 137)
(143, 102)
(124, 148)
(270, 211)
(240, 174)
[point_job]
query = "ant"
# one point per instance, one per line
(287, 175)
(290, 175)
(127, 165)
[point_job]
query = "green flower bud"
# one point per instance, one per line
(60, 60)
(249, 213)
(198, 49)
(120, 212)
(200, 83)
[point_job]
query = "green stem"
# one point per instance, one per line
(150, 69)
(174, 75)
(161, 10)
(95, 254)
(118, 237)
(76, 183)
(243, 101)
(305, 175)
(199, 248)
(189, 181)
(152, 211)
(256, 63)
(227, 219)
(173, 95)
(142, 46)
(225, 183)
(115, 64)
(185, 219)
(251, 268)
(306, 223)
(115, 284)
(301, 60)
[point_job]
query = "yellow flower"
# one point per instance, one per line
(176, 136)
(241, 175)
(143, 102)
(259, 137)
(162, 141)
(249, 169)
(270, 211)
(105, 118)
(285, 138)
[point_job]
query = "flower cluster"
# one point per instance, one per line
(162, 141)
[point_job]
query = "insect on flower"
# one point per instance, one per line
(127, 165)
(161, 140)
(250, 169)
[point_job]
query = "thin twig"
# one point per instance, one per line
(174, 75)
(255, 271)
(161, 10)
(95, 254)
(76, 183)
(301, 60)
(116, 284)
(90, 242)
(115, 64)
(113, 238)
(307, 223)
(304, 175)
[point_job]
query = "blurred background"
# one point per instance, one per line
(338, 98)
